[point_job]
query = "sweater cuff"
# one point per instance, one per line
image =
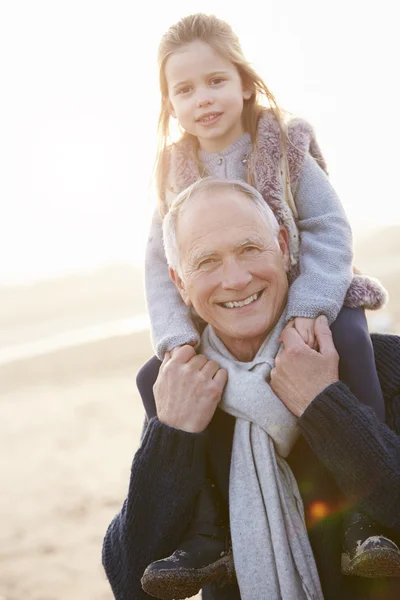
(313, 310)
(332, 416)
(173, 447)
(328, 400)
(167, 344)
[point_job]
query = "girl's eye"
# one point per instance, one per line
(216, 80)
(184, 90)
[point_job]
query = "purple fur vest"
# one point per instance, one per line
(265, 165)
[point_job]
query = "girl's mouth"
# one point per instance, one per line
(209, 119)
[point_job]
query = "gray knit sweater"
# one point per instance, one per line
(325, 253)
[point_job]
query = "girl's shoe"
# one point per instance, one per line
(203, 556)
(367, 552)
(198, 562)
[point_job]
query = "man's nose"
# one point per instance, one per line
(235, 276)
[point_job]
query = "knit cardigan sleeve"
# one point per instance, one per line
(170, 319)
(326, 253)
(167, 473)
(362, 454)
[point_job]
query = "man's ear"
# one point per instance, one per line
(283, 240)
(180, 285)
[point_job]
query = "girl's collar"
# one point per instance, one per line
(241, 143)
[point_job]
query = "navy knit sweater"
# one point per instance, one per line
(344, 457)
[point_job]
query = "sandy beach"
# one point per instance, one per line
(70, 422)
(67, 443)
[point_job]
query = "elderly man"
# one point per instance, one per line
(301, 449)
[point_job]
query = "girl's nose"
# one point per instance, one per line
(203, 101)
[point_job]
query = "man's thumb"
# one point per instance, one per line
(323, 335)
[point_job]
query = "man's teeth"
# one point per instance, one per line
(242, 302)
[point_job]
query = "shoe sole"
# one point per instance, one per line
(376, 563)
(184, 583)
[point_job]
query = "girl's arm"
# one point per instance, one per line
(170, 318)
(167, 473)
(326, 253)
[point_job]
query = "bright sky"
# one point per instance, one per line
(79, 103)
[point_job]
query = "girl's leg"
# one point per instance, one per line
(367, 551)
(145, 380)
(203, 555)
(357, 361)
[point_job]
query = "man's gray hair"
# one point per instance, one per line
(208, 185)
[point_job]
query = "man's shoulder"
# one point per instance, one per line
(387, 342)
(387, 359)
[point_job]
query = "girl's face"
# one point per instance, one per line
(206, 95)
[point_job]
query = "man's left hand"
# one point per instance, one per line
(300, 373)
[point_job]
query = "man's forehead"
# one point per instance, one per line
(231, 242)
(214, 203)
(227, 220)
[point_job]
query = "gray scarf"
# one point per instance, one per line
(271, 549)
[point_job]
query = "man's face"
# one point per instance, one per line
(232, 270)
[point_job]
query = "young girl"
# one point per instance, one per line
(216, 97)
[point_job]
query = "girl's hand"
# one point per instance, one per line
(305, 328)
(191, 343)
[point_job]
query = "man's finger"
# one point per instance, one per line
(324, 335)
(315, 344)
(167, 357)
(197, 362)
(211, 368)
(221, 377)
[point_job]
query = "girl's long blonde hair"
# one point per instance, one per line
(220, 36)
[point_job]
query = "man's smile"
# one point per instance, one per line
(244, 302)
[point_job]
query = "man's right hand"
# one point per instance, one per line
(188, 389)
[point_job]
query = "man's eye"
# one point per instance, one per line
(206, 263)
(250, 249)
